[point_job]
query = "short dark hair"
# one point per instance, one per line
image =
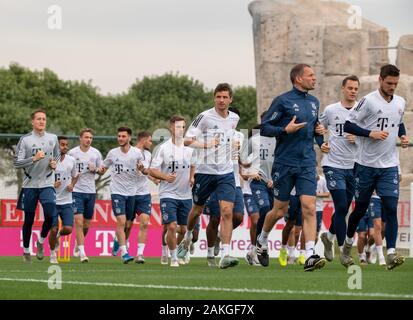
(298, 70)
(389, 70)
(235, 110)
(62, 138)
(83, 131)
(143, 135)
(40, 110)
(223, 87)
(350, 78)
(125, 129)
(175, 118)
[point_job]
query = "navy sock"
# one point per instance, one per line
(355, 217)
(390, 208)
(27, 228)
(49, 211)
(263, 214)
(341, 210)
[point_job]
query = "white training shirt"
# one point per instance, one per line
(376, 114)
(321, 188)
(65, 171)
(245, 187)
(262, 155)
(123, 170)
(170, 158)
(86, 181)
(204, 128)
(142, 180)
(342, 153)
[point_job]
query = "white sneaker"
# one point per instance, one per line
(211, 262)
(187, 258)
(53, 259)
(164, 260)
(174, 263)
(76, 251)
(181, 261)
(84, 259)
(382, 261)
(372, 257)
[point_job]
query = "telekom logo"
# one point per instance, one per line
(104, 241)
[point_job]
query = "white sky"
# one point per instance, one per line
(114, 42)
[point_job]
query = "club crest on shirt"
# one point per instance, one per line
(313, 106)
(296, 107)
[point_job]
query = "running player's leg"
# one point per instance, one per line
(28, 200)
(119, 204)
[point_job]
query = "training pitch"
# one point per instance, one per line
(108, 278)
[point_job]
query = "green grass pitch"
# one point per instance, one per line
(108, 278)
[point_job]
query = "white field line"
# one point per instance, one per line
(216, 289)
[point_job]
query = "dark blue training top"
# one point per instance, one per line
(295, 149)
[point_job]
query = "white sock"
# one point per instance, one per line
(341, 248)
(164, 250)
(82, 250)
(188, 235)
(41, 240)
(391, 251)
(379, 250)
(284, 246)
(141, 248)
(291, 251)
(349, 240)
(210, 252)
(330, 236)
(302, 252)
(263, 238)
(173, 255)
(123, 250)
(252, 248)
(371, 248)
(309, 248)
(26, 250)
(362, 256)
(52, 253)
(224, 250)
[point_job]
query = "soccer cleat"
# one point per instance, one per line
(262, 254)
(187, 258)
(314, 262)
(174, 263)
(126, 258)
(394, 260)
(192, 248)
(115, 248)
(164, 260)
(140, 259)
(211, 262)
(249, 258)
(282, 258)
(345, 257)
(76, 251)
(227, 262)
(183, 248)
(53, 259)
(301, 259)
(328, 247)
(216, 246)
(382, 261)
(84, 259)
(27, 258)
(40, 250)
(372, 256)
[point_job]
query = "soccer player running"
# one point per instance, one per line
(37, 154)
(293, 120)
(65, 179)
(171, 164)
(212, 133)
(88, 164)
(125, 162)
(338, 165)
(378, 121)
